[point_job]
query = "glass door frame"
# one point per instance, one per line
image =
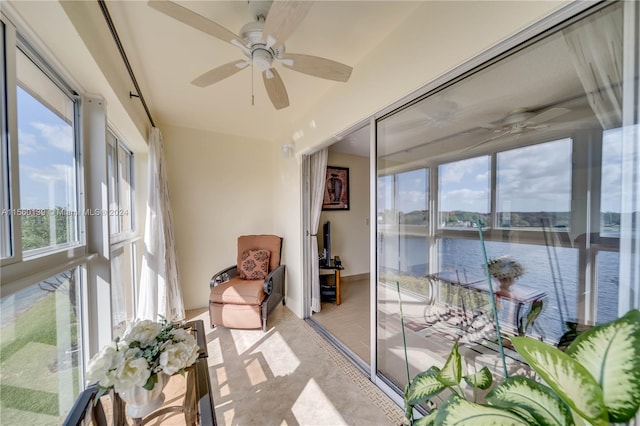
(525, 37)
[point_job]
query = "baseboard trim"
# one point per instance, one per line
(356, 277)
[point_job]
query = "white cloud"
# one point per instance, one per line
(53, 173)
(409, 201)
(27, 142)
(536, 178)
(465, 199)
(456, 171)
(59, 136)
(482, 177)
(39, 185)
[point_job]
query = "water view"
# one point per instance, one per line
(550, 269)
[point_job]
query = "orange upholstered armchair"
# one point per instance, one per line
(242, 295)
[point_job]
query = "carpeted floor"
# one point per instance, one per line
(289, 375)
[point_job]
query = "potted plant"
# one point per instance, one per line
(596, 381)
(137, 366)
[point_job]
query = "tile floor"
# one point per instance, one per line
(289, 375)
(354, 310)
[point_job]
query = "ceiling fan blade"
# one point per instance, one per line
(548, 114)
(219, 73)
(491, 139)
(275, 88)
(317, 67)
(195, 20)
(283, 19)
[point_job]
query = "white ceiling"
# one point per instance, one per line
(469, 115)
(166, 55)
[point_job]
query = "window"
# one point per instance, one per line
(47, 160)
(42, 228)
(40, 351)
(120, 172)
(5, 217)
(123, 297)
(611, 177)
(534, 186)
(464, 193)
(123, 249)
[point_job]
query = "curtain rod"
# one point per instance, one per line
(116, 38)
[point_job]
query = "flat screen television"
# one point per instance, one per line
(326, 242)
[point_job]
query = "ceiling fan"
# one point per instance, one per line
(435, 113)
(262, 43)
(522, 120)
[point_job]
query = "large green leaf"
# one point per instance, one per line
(611, 353)
(532, 315)
(538, 400)
(428, 420)
(481, 380)
(566, 376)
(452, 371)
(424, 386)
(460, 412)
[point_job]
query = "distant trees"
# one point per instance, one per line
(36, 229)
(459, 218)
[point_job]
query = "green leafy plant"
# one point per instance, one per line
(596, 381)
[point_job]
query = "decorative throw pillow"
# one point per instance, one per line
(254, 264)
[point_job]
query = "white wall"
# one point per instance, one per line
(287, 197)
(350, 229)
(221, 187)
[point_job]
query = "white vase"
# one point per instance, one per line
(506, 283)
(140, 401)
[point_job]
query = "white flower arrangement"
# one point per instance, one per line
(505, 267)
(146, 349)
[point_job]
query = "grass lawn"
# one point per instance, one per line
(29, 368)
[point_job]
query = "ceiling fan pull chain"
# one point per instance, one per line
(252, 78)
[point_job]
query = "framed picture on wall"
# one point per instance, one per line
(336, 189)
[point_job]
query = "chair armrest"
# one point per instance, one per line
(85, 409)
(275, 278)
(218, 278)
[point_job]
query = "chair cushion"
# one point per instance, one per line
(254, 265)
(273, 243)
(238, 292)
(235, 316)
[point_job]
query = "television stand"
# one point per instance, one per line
(336, 266)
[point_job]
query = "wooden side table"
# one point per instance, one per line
(336, 266)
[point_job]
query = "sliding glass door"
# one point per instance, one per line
(538, 151)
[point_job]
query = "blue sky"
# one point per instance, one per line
(46, 151)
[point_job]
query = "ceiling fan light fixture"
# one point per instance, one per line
(261, 59)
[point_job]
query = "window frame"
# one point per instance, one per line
(120, 235)
(118, 238)
(6, 247)
(586, 154)
(20, 262)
